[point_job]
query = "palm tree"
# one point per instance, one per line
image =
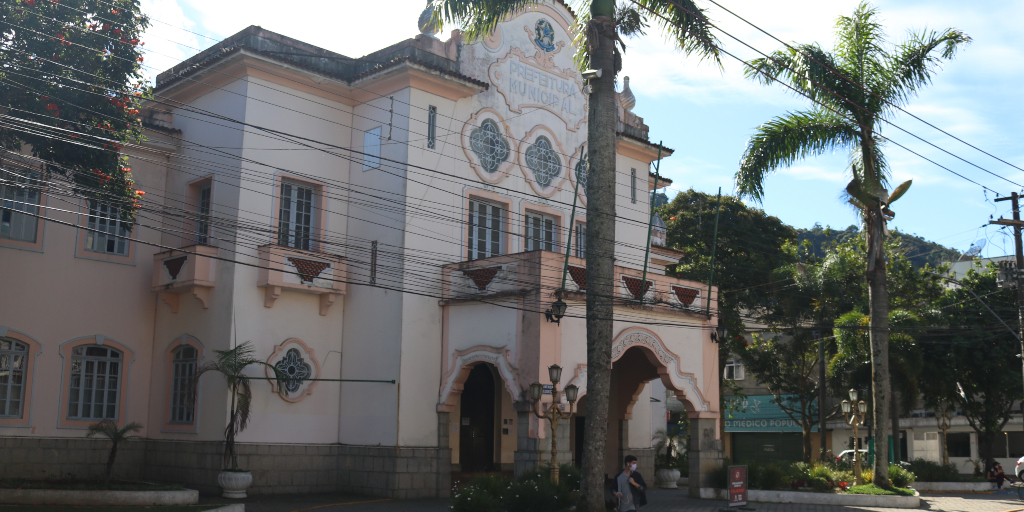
(863, 81)
(596, 35)
(232, 364)
(109, 429)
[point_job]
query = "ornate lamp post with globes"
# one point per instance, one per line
(854, 412)
(554, 413)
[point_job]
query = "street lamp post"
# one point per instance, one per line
(554, 413)
(854, 413)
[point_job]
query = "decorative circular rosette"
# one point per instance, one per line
(488, 146)
(297, 366)
(580, 171)
(543, 161)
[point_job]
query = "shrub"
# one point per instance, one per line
(539, 496)
(720, 477)
(482, 494)
(900, 477)
(928, 471)
(767, 477)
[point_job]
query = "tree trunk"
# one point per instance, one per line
(600, 254)
(878, 296)
(110, 460)
(894, 417)
(806, 426)
(985, 440)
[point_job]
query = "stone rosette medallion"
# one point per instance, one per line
(542, 160)
(297, 363)
(488, 145)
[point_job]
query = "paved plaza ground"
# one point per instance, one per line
(659, 501)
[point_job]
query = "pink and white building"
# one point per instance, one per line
(389, 230)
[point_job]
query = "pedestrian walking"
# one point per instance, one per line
(631, 490)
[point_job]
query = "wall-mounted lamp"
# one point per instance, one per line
(556, 312)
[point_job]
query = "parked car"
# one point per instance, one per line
(1020, 468)
(847, 456)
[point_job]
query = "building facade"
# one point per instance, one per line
(388, 231)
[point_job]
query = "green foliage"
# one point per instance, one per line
(933, 471)
(75, 65)
(879, 491)
(231, 364)
(901, 477)
(116, 435)
(850, 368)
(820, 477)
(919, 251)
(969, 347)
(533, 491)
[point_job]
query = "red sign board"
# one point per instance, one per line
(737, 486)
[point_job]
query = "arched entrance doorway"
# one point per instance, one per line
(476, 421)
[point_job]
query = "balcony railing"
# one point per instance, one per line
(287, 268)
(190, 269)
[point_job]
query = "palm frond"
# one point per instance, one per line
(477, 18)
(686, 25)
(808, 69)
(914, 62)
(243, 407)
(785, 139)
(859, 40)
(630, 22)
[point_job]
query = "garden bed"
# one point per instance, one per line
(93, 492)
(819, 498)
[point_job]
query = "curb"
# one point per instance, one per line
(816, 498)
(234, 507)
(70, 497)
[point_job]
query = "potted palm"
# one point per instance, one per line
(232, 364)
(671, 440)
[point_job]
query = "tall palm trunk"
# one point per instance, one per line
(600, 253)
(878, 297)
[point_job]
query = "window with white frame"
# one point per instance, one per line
(632, 185)
(107, 233)
(485, 230)
(19, 201)
(734, 370)
(540, 232)
(295, 224)
(203, 211)
(581, 240)
(95, 383)
(184, 365)
(13, 359)
(371, 149)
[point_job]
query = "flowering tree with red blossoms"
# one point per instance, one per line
(71, 84)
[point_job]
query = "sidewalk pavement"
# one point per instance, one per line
(659, 500)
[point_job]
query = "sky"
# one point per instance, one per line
(707, 114)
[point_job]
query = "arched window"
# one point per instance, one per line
(186, 359)
(13, 363)
(95, 383)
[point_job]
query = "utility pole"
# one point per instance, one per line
(1019, 248)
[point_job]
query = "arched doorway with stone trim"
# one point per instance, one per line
(479, 397)
(639, 357)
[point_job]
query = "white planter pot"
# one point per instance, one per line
(234, 483)
(666, 478)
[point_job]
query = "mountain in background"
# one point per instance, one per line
(919, 250)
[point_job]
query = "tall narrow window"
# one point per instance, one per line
(95, 383)
(432, 127)
(581, 240)
(13, 359)
(185, 361)
(19, 200)
(296, 216)
(371, 149)
(632, 185)
(107, 232)
(540, 232)
(203, 221)
(485, 236)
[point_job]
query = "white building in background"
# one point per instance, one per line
(388, 230)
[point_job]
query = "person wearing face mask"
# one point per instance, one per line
(632, 490)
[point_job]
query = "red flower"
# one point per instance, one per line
(31, 3)
(117, 31)
(140, 59)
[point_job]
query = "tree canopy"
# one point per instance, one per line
(71, 81)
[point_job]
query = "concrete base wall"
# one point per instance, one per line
(276, 468)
